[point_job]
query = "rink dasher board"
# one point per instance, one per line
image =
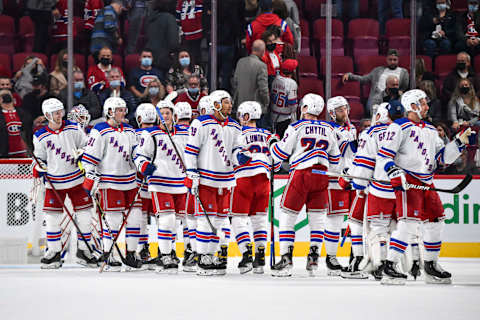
(461, 235)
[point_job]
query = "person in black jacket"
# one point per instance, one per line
(438, 26)
(161, 30)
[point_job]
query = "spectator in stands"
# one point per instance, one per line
(421, 72)
(464, 106)
(463, 70)
(443, 132)
(189, 17)
(292, 11)
(438, 26)
(117, 89)
(58, 77)
(281, 10)
(192, 95)
(251, 10)
(468, 25)
(434, 104)
(182, 68)
(106, 31)
(154, 92)
(41, 14)
(161, 31)
(250, 81)
(91, 10)
(97, 74)
(82, 95)
(378, 75)
(392, 91)
(353, 5)
(6, 84)
(60, 26)
(32, 102)
(273, 52)
(137, 9)
(15, 128)
(140, 76)
(265, 19)
(32, 66)
(364, 124)
(384, 7)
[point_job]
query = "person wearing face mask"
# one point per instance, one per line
(82, 95)
(6, 83)
(58, 77)
(468, 28)
(97, 74)
(273, 52)
(192, 95)
(142, 75)
(438, 28)
(32, 102)
(463, 70)
(377, 78)
(391, 92)
(464, 106)
(15, 128)
(154, 92)
(181, 70)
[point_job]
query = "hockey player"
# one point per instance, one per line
(311, 145)
(408, 154)
(209, 161)
(251, 194)
(80, 115)
(339, 200)
(108, 163)
(182, 114)
(158, 160)
(205, 106)
(54, 146)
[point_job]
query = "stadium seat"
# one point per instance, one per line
(131, 61)
(313, 9)
(26, 34)
(6, 63)
(307, 66)
(305, 47)
(476, 64)
(459, 5)
(117, 60)
(398, 35)
(19, 58)
(79, 61)
(7, 34)
(305, 27)
(404, 62)
(365, 64)
(357, 111)
(363, 36)
(310, 85)
(340, 65)
(350, 90)
(319, 30)
(444, 64)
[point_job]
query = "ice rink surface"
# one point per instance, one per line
(72, 292)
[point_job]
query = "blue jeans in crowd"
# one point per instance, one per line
(434, 47)
(383, 8)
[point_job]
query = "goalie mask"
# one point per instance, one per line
(145, 114)
(80, 115)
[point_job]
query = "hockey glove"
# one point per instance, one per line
(462, 137)
(38, 171)
(147, 169)
(192, 180)
(345, 183)
(90, 184)
(397, 178)
(272, 138)
(243, 158)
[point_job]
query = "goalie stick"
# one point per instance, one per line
(466, 180)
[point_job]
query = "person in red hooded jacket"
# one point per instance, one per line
(261, 23)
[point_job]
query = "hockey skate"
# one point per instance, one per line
(144, 253)
(132, 262)
(113, 265)
(168, 264)
(378, 272)
(312, 260)
(353, 270)
(415, 269)
(259, 261)
(284, 267)
(391, 276)
(205, 265)
(186, 253)
(434, 274)
(245, 264)
(220, 261)
(189, 262)
(173, 254)
(86, 259)
(334, 268)
(51, 260)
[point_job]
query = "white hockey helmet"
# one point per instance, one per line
(314, 104)
(111, 104)
(51, 105)
(145, 113)
(183, 110)
(217, 96)
(206, 104)
(382, 113)
(166, 104)
(252, 108)
(413, 97)
(80, 115)
(334, 103)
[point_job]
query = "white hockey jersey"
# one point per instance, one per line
(255, 140)
(144, 194)
(209, 150)
(347, 144)
(170, 173)
(364, 163)
(307, 143)
(56, 150)
(283, 98)
(110, 153)
(416, 148)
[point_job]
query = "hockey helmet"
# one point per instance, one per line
(205, 103)
(51, 105)
(111, 104)
(183, 110)
(413, 96)
(145, 113)
(252, 108)
(80, 115)
(314, 104)
(217, 96)
(334, 103)
(382, 113)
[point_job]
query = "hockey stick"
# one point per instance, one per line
(272, 217)
(184, 168)
(345, 235)
(466, 180)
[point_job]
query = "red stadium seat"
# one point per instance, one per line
(19, 59)
(444, 64)
(365, 64)
(6, 63)
(404, 62)
(398, 35)
(305, 47)
(7, 34)
(363, 35)
(26, 33)
(357, 111)
(340, 65)
(307, 66)
(476, 64)
(350, 90)
(313, 9)
(305, 27)
(79, 61)
(319, 31)
(131, 61)
(310, 85)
